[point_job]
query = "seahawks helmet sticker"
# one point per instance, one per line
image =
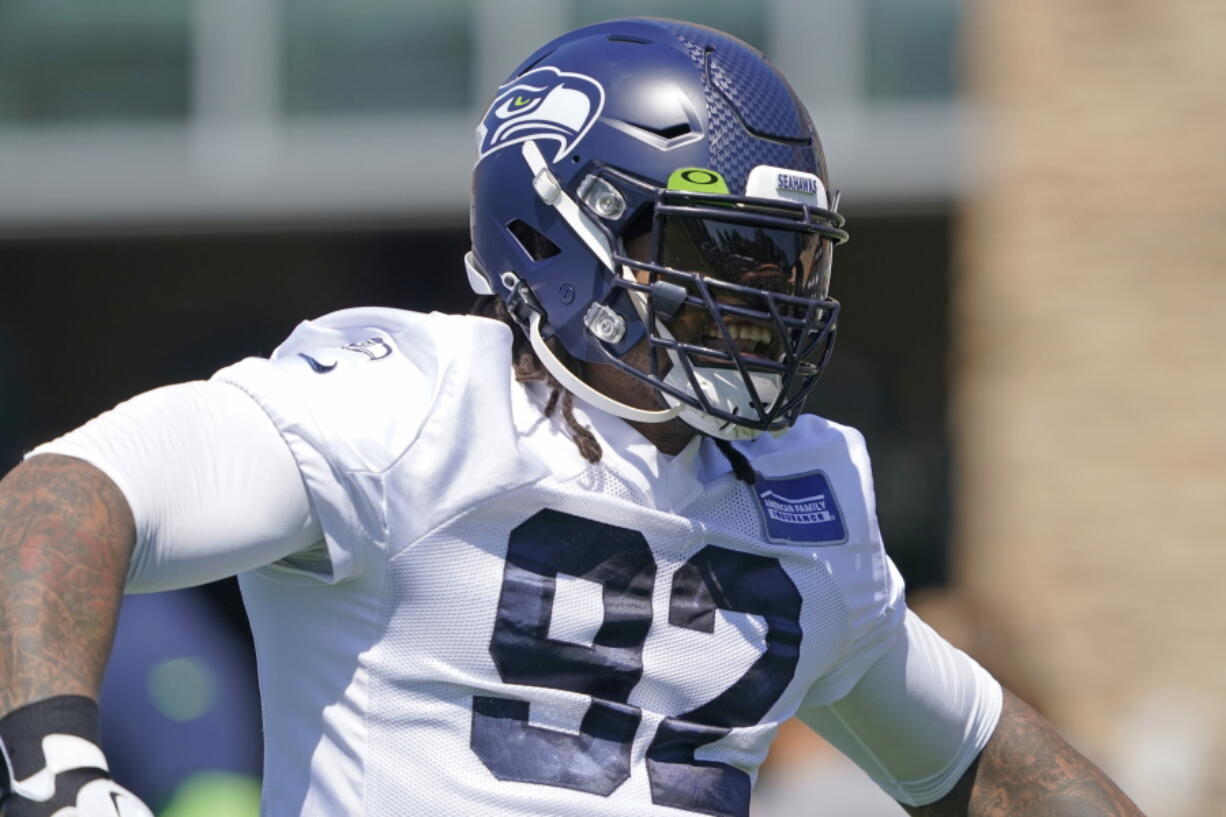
(544, 103)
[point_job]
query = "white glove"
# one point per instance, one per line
(101, 798)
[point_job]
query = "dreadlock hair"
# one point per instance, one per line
(528, 368)
(739, 462)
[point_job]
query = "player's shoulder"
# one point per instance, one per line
(367, 379)
(387, 350)
(362, 334)
(814, 484)
(813, 442)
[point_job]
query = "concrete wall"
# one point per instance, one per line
(1090, 378)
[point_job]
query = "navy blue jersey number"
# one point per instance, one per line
(597, 759)
(718, 579)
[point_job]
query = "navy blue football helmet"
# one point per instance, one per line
(653, 179)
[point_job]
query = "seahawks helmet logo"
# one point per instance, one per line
(544, 103)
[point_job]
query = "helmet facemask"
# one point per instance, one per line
(733, 295)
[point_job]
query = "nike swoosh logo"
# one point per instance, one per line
(118, 799)
(316, 366)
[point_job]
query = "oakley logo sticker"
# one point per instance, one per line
(698, 180)
(800, 510)
(544, 103)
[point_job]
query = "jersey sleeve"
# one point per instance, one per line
(918, 717)
(212, 487)
(350, 395)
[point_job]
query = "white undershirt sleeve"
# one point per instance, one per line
(212, 485)
(917, 719)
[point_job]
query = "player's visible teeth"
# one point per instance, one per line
(750, 332)
(747, 333)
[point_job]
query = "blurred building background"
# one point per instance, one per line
(1033, 301)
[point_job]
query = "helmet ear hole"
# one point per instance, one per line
(532, 241)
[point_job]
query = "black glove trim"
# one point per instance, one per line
(22, 732)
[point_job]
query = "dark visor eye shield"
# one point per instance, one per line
(737, 259)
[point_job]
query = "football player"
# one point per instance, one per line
(579, 554)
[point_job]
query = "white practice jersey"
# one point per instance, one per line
(492, 626)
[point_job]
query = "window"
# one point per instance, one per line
(377, 56)
(911, 48)
(738, 18)
(119, 60)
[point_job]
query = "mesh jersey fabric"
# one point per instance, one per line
(493, 625)
(503, 628)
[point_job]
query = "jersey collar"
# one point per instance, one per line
(668, 482)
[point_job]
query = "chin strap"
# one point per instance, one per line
(550, 191)
(582, 390)
(552, 194)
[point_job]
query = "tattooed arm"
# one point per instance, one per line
(66, 534)
(1028, 770)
